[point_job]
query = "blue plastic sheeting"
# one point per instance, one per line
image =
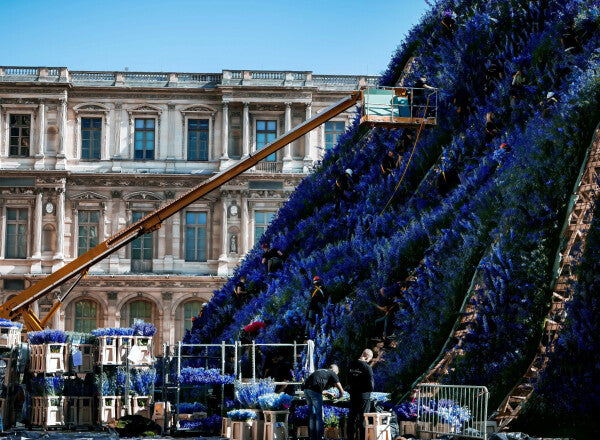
(41, 435)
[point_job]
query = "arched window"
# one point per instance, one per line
(184, 317)
(83, 315)
(86, 316)
(138, 309)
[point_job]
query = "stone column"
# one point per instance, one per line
(41, 130)
(37, 226)
(225, 132)
(223, 260)
(171, 133)
(62, 140)
(211, 136)
(60, 227)
(307, 139)
(116, 137)
(287, 154)
(176, 236)
(246, 131)
(245, 233)
(39, 154)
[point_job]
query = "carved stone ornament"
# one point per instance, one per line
(88, 195)
(142, 195)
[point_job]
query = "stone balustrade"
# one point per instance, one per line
(183, 80)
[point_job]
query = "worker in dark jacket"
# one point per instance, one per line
(389, 163)
(448, 25)
(344, 188)
(271, 258)
(361, 383)
(318, 298)
(314, 387)
(240, 290)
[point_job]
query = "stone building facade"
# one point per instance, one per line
(83, 154)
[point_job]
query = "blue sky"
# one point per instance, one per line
(327, 37)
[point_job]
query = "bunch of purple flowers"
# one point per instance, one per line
(199, 376)
(47, 336)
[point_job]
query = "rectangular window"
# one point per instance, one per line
(333, 130)
(91, 132)
(195, 236)
(88, 222)
(144, 139)
(261, 221)
(197, 139)
(20, 126)
(266, 132)
(141, 249)
(16, 233)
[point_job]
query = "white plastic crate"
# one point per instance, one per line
(107, 350)
(140, 406)
(10, 337)
(107, 409)
(48, 358)
(125, 343)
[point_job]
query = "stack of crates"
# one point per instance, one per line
(10, 341)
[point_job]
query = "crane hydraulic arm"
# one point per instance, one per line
(18, 306)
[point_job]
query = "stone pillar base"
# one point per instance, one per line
(223, 269)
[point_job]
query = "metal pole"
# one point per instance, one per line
(165, 397)
(235, 358)
(222, 372)
(178, 382)
(254, 361)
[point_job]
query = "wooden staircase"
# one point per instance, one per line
(574, 234)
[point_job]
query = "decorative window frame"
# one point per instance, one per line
(88, 201)
(92, 110)
(259, 206)
(198, 112)
(323, 144)
(265, 116)
(146, 111)
(16, 204)
(18, 109)
(197, 207)
(147, 202)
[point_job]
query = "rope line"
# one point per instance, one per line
(409, 159)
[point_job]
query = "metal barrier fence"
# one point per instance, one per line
(460, 410)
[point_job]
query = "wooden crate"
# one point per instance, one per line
(88, 356)
(276, 425)
(378, 426)
(241, 430)
(225, 427)
(48, 411)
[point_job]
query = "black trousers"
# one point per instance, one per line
(360, 403)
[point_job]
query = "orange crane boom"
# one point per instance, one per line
(18, 306)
